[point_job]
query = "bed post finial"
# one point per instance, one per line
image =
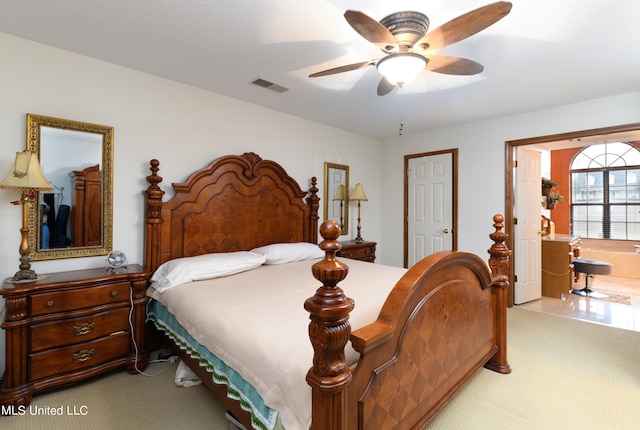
(499, 261)
(329, 332)
(499, 264)
(152, 217)
(313, 201)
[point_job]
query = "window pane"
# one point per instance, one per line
(618, 186)
(618, 229)
(633, 186)
(586, 187)
(596, 227)
(581, 161)
(633, 222)
(578, 220)
(632, 158)
(587, 221)
(617, 150)
(592, 152)
(625, 222)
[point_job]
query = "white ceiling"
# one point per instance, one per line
(544, 53)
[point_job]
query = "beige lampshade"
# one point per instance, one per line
(358, 193)
(340, 194)
(25, 174)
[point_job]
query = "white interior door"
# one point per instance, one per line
(528, 253)
(430, 205)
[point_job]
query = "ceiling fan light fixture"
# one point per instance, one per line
(399, 69)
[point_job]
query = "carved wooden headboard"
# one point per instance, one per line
(236, 203)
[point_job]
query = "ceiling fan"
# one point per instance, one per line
(404, 37)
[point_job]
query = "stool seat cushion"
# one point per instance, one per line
(591, 267)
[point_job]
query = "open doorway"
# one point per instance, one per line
(552, 142)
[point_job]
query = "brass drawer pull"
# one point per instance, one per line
(82, 356)
(114, 293)
(84, 328)
(49, 304)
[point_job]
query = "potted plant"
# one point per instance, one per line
(547, 185)
(553, 198)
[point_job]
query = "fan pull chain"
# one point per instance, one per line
(401, 128)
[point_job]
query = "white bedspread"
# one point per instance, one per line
(256, 322)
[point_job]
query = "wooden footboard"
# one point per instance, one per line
(443, 321)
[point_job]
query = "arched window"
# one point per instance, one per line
(605, 192)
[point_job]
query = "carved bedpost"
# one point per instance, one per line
(313, 202)
(499, 264)
(153, 218)
(329, 332)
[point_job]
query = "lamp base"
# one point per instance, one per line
(10, 283)
(25, 275)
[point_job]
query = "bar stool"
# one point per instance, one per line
(589, 268)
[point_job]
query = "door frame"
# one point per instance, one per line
(509, 185)
(454, 197)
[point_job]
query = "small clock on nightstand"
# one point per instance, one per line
(363, 251)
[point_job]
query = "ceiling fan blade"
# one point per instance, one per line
(371, 30)
(453, 65)
(385, 87)
(342, 69)
(464, 26)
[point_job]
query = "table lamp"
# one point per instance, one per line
(25, 175)
(359, 195)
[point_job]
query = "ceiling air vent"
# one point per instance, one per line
(270, 85)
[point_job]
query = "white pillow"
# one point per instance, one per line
(280, 253)
(207, 266)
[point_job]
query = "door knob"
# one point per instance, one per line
(446, 230)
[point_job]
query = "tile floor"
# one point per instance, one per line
(595, 310)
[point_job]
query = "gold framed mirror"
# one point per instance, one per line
(75, 220)
(336, 194)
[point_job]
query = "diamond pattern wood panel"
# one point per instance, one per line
(433, 357)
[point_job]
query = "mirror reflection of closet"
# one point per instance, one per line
(336, 194)
(75, 219)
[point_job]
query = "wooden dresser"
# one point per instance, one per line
(558, 252)
(69, 326)
(364, 251)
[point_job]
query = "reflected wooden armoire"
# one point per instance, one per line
(86, 206)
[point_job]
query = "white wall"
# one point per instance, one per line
(482, 163)
(186, 127)
(182, 126)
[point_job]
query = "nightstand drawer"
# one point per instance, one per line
(356, 253)
(61, 301)
(363, 251)
(75, 357)
(76, 330)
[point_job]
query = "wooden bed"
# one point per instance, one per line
(443, 321)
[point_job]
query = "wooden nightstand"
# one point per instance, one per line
(364, 251)
(69, 326)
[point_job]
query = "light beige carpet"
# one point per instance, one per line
(567, 374)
